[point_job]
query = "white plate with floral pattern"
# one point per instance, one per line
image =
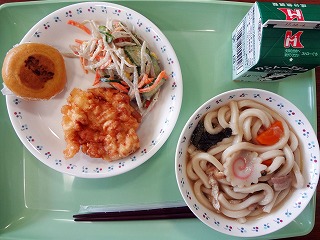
(294, 205)
(38, 123)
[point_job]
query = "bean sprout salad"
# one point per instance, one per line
(120, 59)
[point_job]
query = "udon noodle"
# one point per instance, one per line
(234, 171)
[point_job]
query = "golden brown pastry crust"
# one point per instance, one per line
(34, 71)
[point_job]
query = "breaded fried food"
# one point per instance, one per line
(101, 122)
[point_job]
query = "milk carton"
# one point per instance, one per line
(276, 40)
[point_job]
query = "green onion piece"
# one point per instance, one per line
(103, 30)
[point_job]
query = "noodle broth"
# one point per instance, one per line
(240, 181)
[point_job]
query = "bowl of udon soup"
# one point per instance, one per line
(247, 162)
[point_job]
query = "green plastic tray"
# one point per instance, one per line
(38, 203)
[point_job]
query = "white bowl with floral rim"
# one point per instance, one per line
(294, 205)
(38, 123)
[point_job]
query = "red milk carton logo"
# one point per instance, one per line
(292, 14)
(293, 40)
(289, 39)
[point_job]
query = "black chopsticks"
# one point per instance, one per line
(144, 214)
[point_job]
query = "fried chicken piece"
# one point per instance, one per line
(101, 122)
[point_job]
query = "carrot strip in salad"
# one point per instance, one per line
(83, 64)
(79, 41)
(97, 78)
(162, 75)
(124, 84)
(149, 80)
(142, 81)
(79, 25)
(145, 80)
(105, 65)
(119, 86)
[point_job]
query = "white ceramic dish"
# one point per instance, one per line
(38, 123)
(299, 199)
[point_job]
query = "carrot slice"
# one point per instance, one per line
(79, 25)
(271, 135)
(267, 162)
(162, 75)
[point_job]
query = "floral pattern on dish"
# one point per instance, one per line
(38, 124)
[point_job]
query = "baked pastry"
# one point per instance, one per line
(34, 71)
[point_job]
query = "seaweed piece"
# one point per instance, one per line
(197, 133)
(203, 140)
